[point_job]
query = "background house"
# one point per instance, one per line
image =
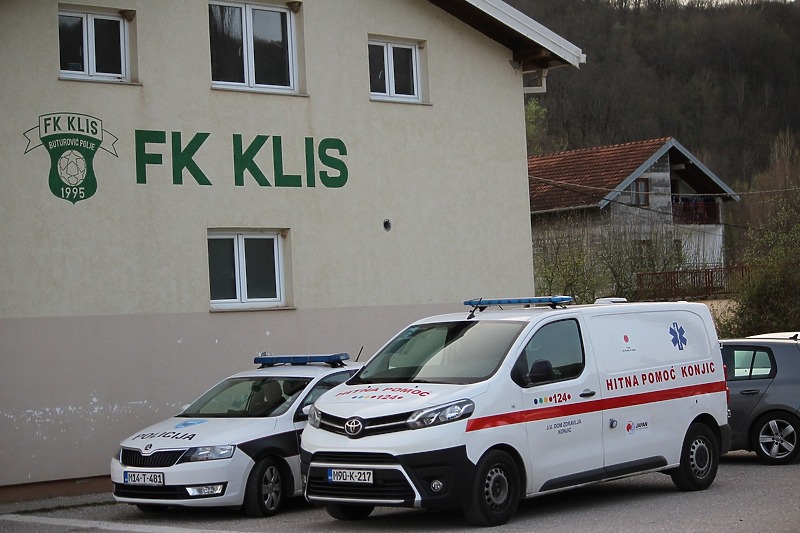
(641, 220)
(189, 183)
(644, 189)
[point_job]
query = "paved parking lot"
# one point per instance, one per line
(746, 497)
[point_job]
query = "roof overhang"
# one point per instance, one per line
(672, 144)
(533, 45)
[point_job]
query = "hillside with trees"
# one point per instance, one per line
(722, 78)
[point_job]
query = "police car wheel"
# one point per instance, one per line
(264, 491)
(775, 438)
(495, 491)
(349, 512)
(699, 459)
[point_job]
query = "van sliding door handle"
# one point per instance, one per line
(750, 392)
(587, 393)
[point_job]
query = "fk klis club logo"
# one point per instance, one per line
(72, 140)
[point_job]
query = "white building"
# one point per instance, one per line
(186, 183)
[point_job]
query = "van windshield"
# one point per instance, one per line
(446, 352)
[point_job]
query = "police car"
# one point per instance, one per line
(237, 445)
(515, 398)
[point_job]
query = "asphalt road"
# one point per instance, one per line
(746, 497)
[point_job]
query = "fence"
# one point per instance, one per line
(684, 284)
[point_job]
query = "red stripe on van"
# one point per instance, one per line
(591, 406)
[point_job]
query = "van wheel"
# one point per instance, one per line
(774, 438)
(699, 459)
(349, 512)
(263, 494)
(494, 494)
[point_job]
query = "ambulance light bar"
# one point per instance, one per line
(536, 300)
(333, 359)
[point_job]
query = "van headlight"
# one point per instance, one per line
(208, 453)
(314, 417)
(441, 414)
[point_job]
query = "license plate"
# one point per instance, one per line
(337, 475)
(143, 478)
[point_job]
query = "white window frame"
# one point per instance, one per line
(89, 57)
(388, 61)
(248, 52)
(242, 301)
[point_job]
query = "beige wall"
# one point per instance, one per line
(104, 304)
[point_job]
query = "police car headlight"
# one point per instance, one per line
(208, 453)
(441, 414)
(314, 417)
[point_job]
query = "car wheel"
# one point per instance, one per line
(349, 512)
(775, 437)
(699, 459)
(495, 491)
(264, 492)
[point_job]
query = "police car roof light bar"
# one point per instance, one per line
(334, 359)
(482, 303)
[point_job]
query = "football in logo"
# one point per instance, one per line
(72, 168)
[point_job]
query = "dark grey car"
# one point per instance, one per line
(763, 376)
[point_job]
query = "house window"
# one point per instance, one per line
(640, 192)
(245, 270)
(394, 71)
(252, 46)
(93, 46)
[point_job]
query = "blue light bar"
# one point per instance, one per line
(534, 300)
(333, 359)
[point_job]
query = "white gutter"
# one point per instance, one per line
(532, 30)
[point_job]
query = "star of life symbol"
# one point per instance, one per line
(71, 139)
(678, 336)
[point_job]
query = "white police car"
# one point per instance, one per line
(237, 445)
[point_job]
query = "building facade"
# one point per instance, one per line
(189, 183)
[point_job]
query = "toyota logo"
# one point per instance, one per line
(353, 427)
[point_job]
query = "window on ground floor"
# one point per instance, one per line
(245, 270)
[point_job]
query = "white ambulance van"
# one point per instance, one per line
(520, 397)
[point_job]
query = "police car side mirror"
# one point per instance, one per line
(302, 414)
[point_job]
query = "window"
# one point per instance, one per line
(640, 192)
(394, 71)
(554, 353)
(245, 270)
(324, 385)
(93, 46)
(747, 363)
(252, 46)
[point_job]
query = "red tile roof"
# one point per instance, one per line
(582, 178)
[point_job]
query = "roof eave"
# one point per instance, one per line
(522, 25)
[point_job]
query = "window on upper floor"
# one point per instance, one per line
(245, 270)
(93, 46)
(252, 47)
(394, 71)
(640, 192)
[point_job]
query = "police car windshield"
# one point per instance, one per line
(446, 352)
(247, 397)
